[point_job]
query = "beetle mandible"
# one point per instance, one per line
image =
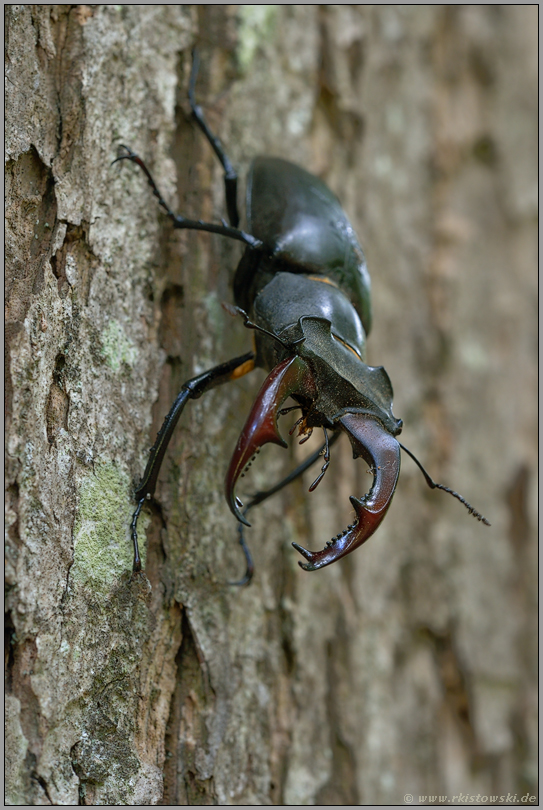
(303, 286)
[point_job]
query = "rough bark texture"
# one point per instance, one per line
(409, 667)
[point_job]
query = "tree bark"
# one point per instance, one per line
(408, 668)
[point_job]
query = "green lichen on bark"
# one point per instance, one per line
(117, 348)
(102, 548)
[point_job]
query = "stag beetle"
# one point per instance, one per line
(303, 286)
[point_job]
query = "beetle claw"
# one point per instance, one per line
(382, 452)
(369, 438)
(308, 566)
(289, 377)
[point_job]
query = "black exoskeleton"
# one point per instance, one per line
(302, 285)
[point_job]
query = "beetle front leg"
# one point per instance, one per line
(192, 389)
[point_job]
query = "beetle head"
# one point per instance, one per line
(335, 389)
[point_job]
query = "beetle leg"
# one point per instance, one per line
(182, 223)
(249, 564)
(292, 376)
(136, 566)
(230, 175)
(192, 389)
(381, 450)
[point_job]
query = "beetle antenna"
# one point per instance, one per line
(433, 485)
(233, 310)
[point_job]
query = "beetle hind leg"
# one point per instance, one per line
(230, 174)
(181, 222)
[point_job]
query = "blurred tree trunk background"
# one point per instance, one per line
(408, 668)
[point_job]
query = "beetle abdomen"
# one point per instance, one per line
(305, 229)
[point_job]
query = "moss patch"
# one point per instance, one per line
(102, 545)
